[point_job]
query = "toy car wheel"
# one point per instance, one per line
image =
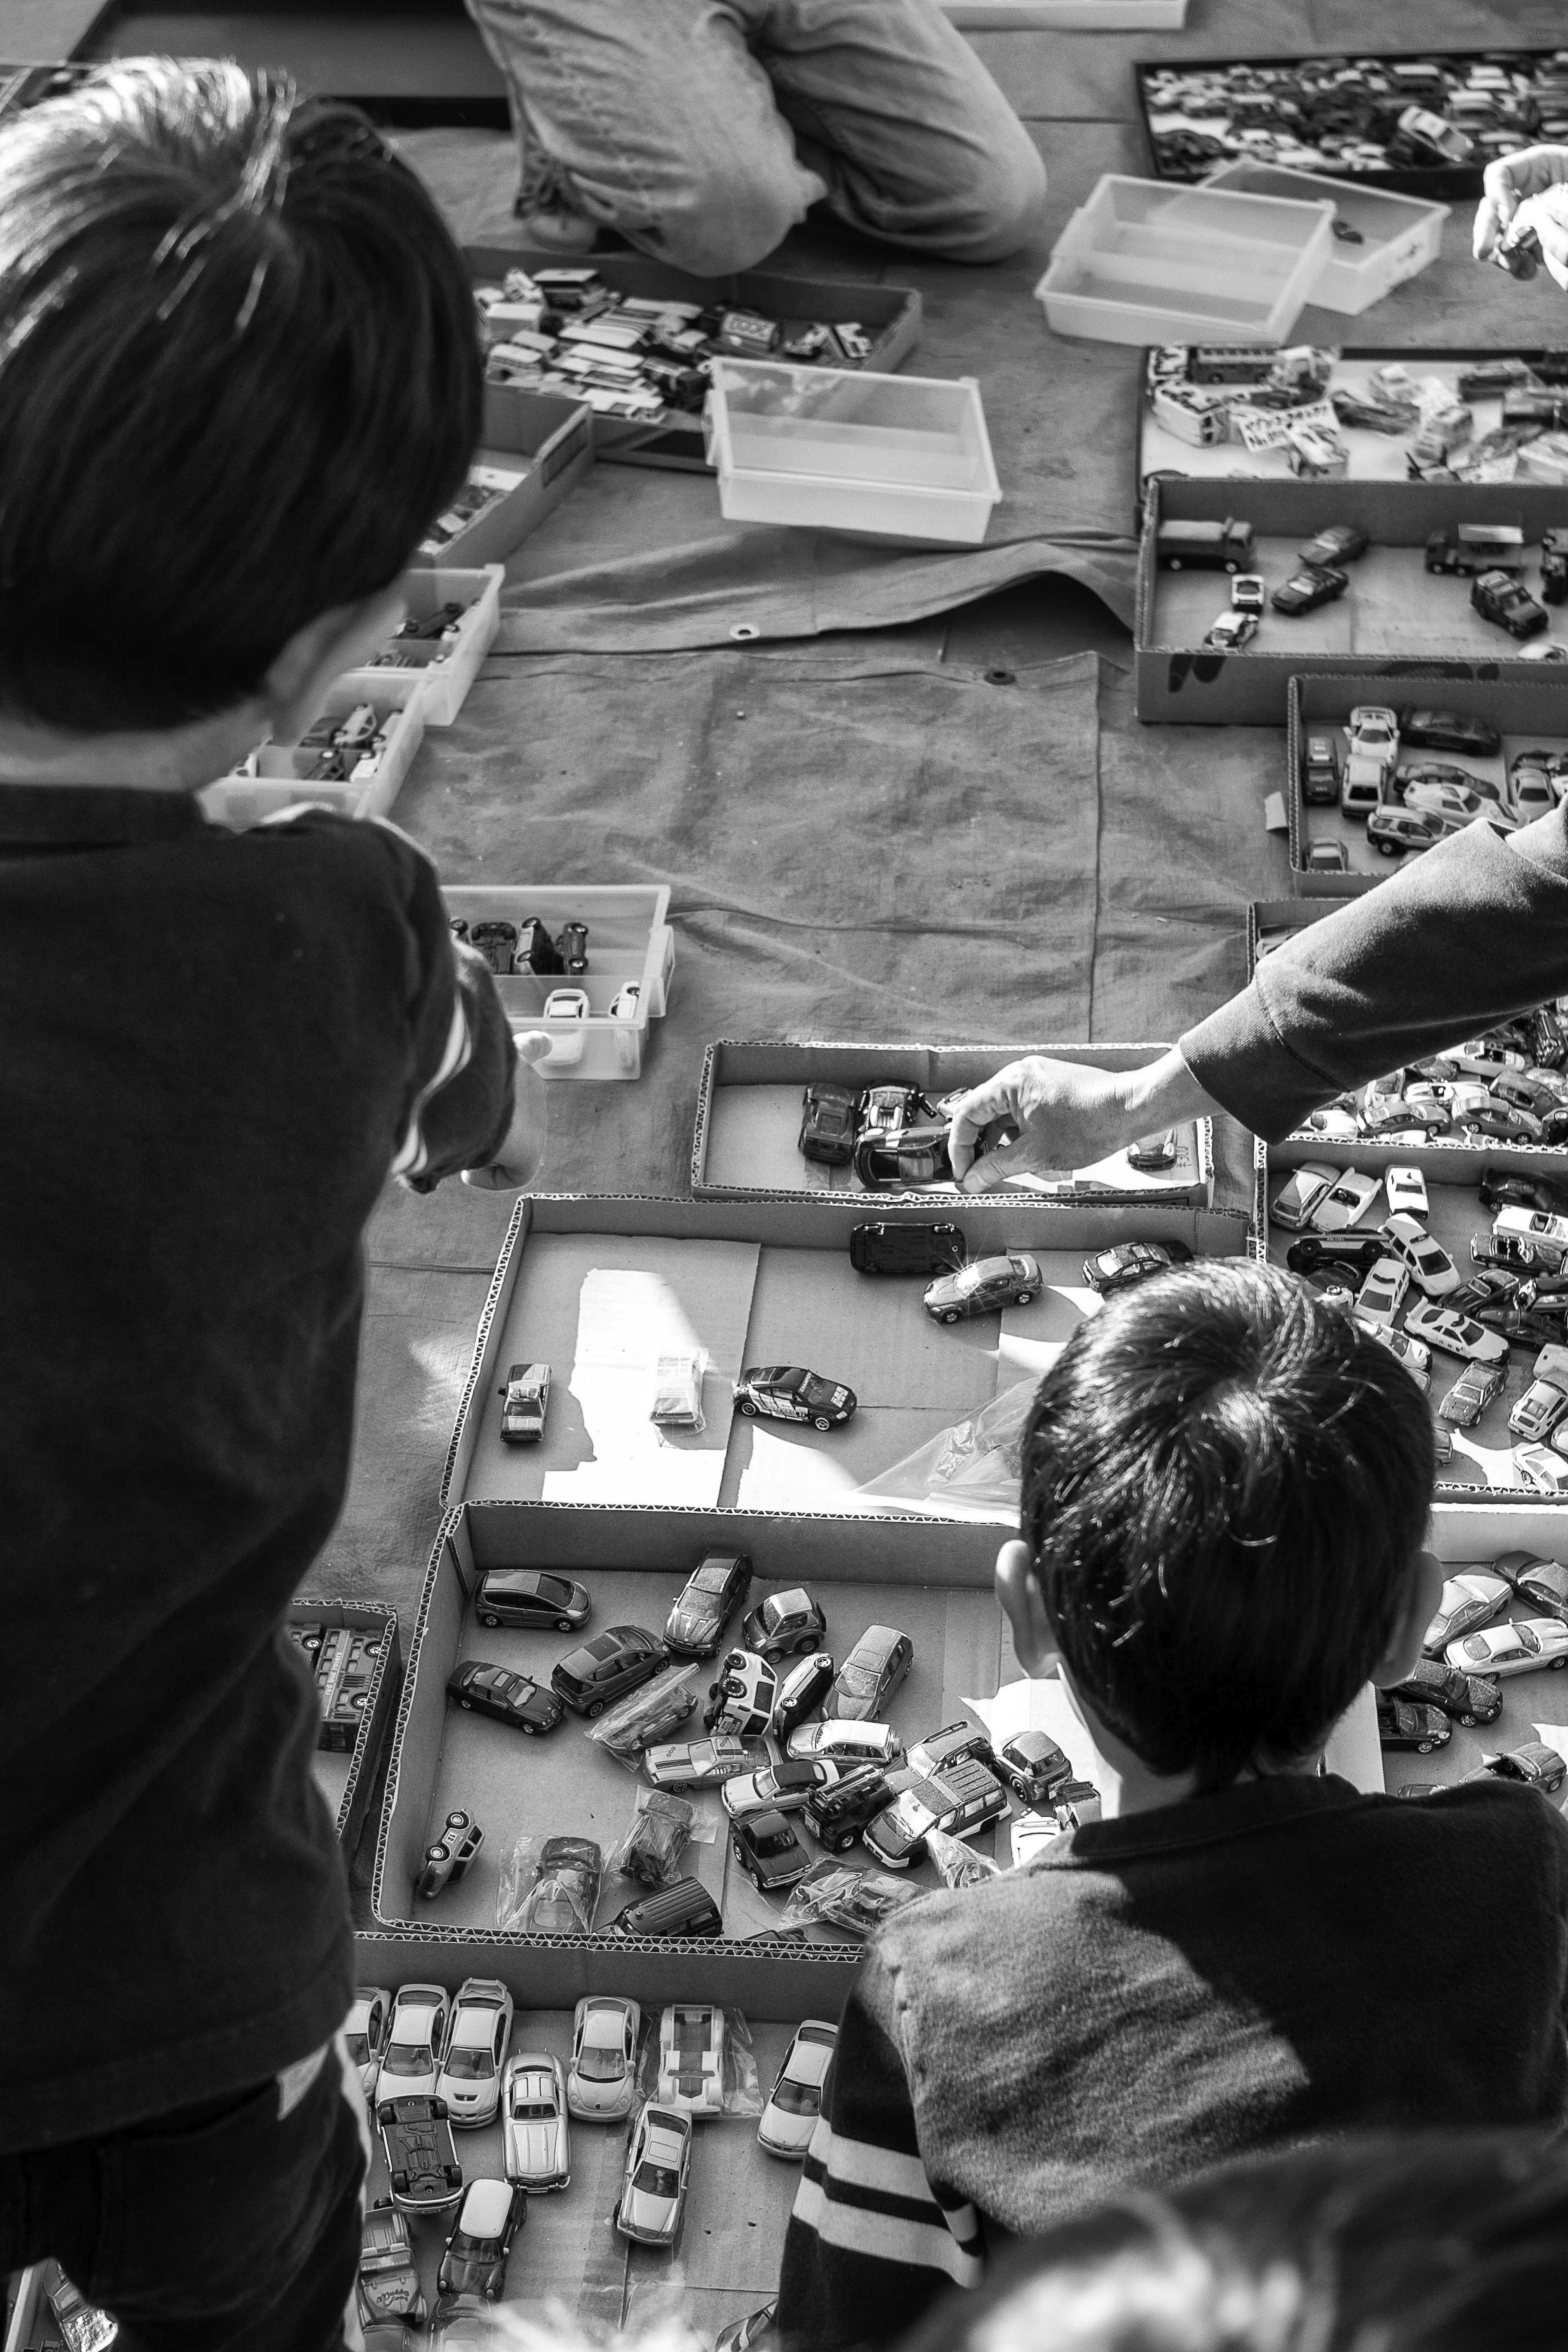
(467, 1705)
(820, 1421)
(526, 1729)
(843, 1845)
(487, 1620)
(1424, 1747)
(1173, 563)
(1558, 1664)
(1023, 1298)
(735, 1850)
(563, 1625)
(598, 1707)
(1469, 1721)
(1389, 848)
(748, 1407)
(1233, 567)
(950, 1314)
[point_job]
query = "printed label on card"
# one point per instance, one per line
(1270, 428)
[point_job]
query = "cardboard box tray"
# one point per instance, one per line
(345, 1777)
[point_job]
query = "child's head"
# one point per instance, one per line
(238, 376)
(1226, 1484)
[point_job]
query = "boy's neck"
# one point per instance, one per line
(1126, 1783)
(157, 760)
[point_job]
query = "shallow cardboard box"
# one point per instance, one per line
(397, 695)
(1396, 621)
(889, 315)
(446, 679)
(345, 1777)
(629, 939)
(552, 438)
(1526, 714)
(745, 1142)
(1399, 234)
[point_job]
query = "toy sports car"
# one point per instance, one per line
(1497, 597)
(481, 2027)
(535, 2133)
(1314, 585)
(657, 2162)
(716, 1587)
(1401, 1725)
(1340, 543)
(1447, 731)
(691, 2038)
(909, 1155)
(1516, 1647)
(795, 2102)
(700, 1763)
(510, 1699)
(790, 1392)
(828, 1126)
(985, 1286)
(1116, 1269)
(564, 1892)
(1470, 1699)
(490, 2216)
(602, 2078)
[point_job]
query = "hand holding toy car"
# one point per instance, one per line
(1527, 192)
(1067, 1116)
(521, 1152)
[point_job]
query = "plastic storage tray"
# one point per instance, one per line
(553, 440)
(1143, 262)
(1400, 235)
(833, 450)
(398, 695)
(629, 940)
(448, 671)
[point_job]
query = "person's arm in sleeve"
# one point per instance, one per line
(872, 2242)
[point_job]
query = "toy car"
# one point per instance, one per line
(1373, 733)
(626, 1002)
(838, 1812)
(365, 2030)
(508, 1698)
(536, 2136)
(684, 1908)
(986, 1285)
(1321, 1254)
(1473, 548)
(1299, 1196)
(1447, 731)
(1497, 597)
(602, 2077)
(1401, 1725)
(1473, 1597)
(869, 1676)
(1542, 1470)
(790, 1392)
(1469, 1699)
(741, 1700)
(497, 941)
(1471, 1393)
(657, 2162)
(388, 2274)
(490, 2216)
(564, 1893)
(1320, 772)
(959, 1801)
(1393, 831)
(1484, 795)
(906, 1249)
(1404, 1189)
(1345, 1203)
(1543, 1581)
(698, 1763)
(716, 1587)
(911, 1156)
(691, 2037)
(1033, 1767)
(678, 1391)
(1154, 1153)
(1533, 1762)
(953, 1744)
(786, 1626)
(527, 1596)
(1248, 592)
(1415, 1358)
(801, 1686)
(1429, 1267)
(1382, 1293)
(781, 1788)
(1205, 546)
(448, 1860)
(1538, 1411)
(606, 1668)
(845, 1741)
(566, 1004)
(475, 2051)
(828, 1126)
(82, 2326)
(1340, 543)
(1517, 1647)
(1360, 405)
(1307, 589)
(1229, 632)
(767, 1849)
(1110, 1270)
(1449, 807)
(795, 2102)
(1457, 1335)
(527, 1393)
(1545, 1234)
(1531, 789)
(421, 2161)
(1423, 138)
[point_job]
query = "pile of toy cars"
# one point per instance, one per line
(1410, 802)
(563, 331)
(1386, 119)
(892, 1136)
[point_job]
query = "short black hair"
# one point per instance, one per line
(239, 374)
(1225, 1484)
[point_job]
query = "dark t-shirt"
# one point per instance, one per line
(215, 1048)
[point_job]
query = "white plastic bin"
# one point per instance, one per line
(398, 699)
(1399, 234)
(448, 670)
(1143, 262)
(831, 449)
(629, 940)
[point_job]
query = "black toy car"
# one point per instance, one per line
(716, 1587)
(768, 1851)
(606, 1668)
(510, 1697)
(1110, 1270)
(838, 1815)
(685, 1909)
(1313, 585)
(1554, 567)
(1497, 597)
(490, 2215)
(1447, 731)
(1323, 1254)
(448, 1860)
(528, 1596)
(906, 1249)
(571, 947)
(497, 943)
(790, 1392)
(1469, 1699)
(828, 1126)
(801, 1686)
(786, 1626)
(1505, 1189)
(421, 2160)
(911, 1155)
(1533, 1762)
(1033, 1766)
(1155, 1152)
(1400, 1725)
(1321, 771)
(1341, 544)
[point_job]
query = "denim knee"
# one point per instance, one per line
(734, 214)
(1004, 203)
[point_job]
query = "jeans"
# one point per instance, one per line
(227, 2226)
(703, 130)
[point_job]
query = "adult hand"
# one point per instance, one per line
(1546, 216)
(1068, 1114)
(521, 1153)
(1508, 184)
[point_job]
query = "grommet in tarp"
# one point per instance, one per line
(743, 630)
(1001, 678)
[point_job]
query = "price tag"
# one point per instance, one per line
(1270, 428)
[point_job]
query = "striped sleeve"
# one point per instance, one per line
(872, 2240)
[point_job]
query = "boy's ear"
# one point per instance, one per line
(339, 639)
(1405, 1648)
(1023, 1605)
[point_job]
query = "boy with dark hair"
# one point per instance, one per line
(1225, 1489)
(239, 375)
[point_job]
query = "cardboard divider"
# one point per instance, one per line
(346, 1780)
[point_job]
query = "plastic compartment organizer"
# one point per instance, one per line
(1145, 263)
(906, 456)
(630, 945)
(448, 669)
(1398, 234)
(283, 779)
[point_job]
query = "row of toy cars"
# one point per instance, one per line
(1411, 803)
(895, 1137)
(1374, 116)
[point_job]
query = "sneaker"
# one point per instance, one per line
(544, 205)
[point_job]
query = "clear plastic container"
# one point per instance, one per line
(283, 781)
(831, 449)
(630, 945)
(1144, 262)
(1399, 234)
(448, 670)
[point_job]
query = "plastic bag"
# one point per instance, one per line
(550, 1886)
(858, 1900)
(978, 1463)
(652, 1712)
(958, 1865)
(678, 1391)
(658, 1834)
(701, 2057)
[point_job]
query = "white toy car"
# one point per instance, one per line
(1296, 1199)
(795, 2100)
(657, 2163)
(1538, 1411)
(1228, 631)
(1457, 1335)
(1248, 592)
(536, 2134)
(1473, 1597)
(1517, 1647)
(1374, 733)
(678, 1393)
(842, 1742)
(566, 1004)
(1360, 787)
(1381, 1293)
(364, 2033)
(1541, 1469)
(602, 2079)
(692, 2059)
(469, 2080)
(1546, 1235)
(776, 1788)
(412, 2058)
(1416, 1359)
(1406, 1190)
(625, 1003)
(1346, 1202)
(1431, 1269)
